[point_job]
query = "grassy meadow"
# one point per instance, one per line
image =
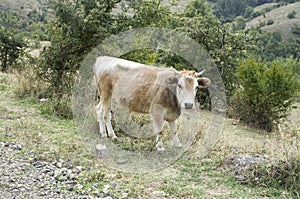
(189, 177)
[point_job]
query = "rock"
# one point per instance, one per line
(70, 188)
(248, 160)
(121, 161)
(22, 174)
(63, 178)
(106, 188)
(57, 173)
(240, 178)
(101, 151)
(244, 162)
(58, 164)
(107, 197)
(78, 169)
(115, 186)
(158, 194)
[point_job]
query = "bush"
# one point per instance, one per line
(279, 174)
(282, 172)
(270, 22)
(292, 15)
(265, 95)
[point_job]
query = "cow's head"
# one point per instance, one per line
(187, 84)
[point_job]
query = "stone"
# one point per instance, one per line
(158, 194)
(101, 151)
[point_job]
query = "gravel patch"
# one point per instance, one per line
(23, 176)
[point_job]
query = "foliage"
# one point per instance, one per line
(270, 22)
(80, 25)
(279, 174)
(292, 15)
(296, 29)
(197, 21)
(270, 45)
(239, 23)
(12, 44)
(75, 31)
(227, 10)
(11, 48)
(266, 93)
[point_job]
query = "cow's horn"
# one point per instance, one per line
(200, 73)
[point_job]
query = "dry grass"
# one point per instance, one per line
(281, 23)
(188, 177)
(264, 6)
(22, 7)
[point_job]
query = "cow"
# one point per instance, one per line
(160, 92)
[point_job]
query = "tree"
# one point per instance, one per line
(79, 26)
(296, 29)
(225, 46)
(270, 45)
(198, 22)
(12, 44)
(266, 92)
(239, 23)
(229, 9)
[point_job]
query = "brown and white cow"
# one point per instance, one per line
(160, 92)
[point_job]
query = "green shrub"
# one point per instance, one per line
(292, 15)
(262, 24)
(270, 22)
(265, 95)
(280, 174)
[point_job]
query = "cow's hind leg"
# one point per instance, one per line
(176, 141)
(100, 120)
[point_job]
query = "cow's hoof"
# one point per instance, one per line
(160, 149)
(103, 135)
(176, 142)
(114, 137)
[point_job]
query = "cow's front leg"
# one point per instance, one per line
(110, 130)
(100, 120)
(158, 123)
(173, 129)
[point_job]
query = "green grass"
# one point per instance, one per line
(188, 177)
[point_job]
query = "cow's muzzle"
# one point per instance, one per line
(188, 105)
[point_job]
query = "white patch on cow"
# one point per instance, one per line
(186, 91)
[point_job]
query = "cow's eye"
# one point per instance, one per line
(180, 86)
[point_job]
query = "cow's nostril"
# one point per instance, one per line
(188, 105)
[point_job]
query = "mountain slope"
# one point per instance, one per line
(281, 23)
(22, 7)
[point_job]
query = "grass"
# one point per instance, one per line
(281, 23)
(264, 6)
(188, 177)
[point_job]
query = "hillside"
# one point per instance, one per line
(22, 7)
(44, 157)
(281, 23)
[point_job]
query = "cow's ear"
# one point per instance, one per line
(172, 79)
(203, 81)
